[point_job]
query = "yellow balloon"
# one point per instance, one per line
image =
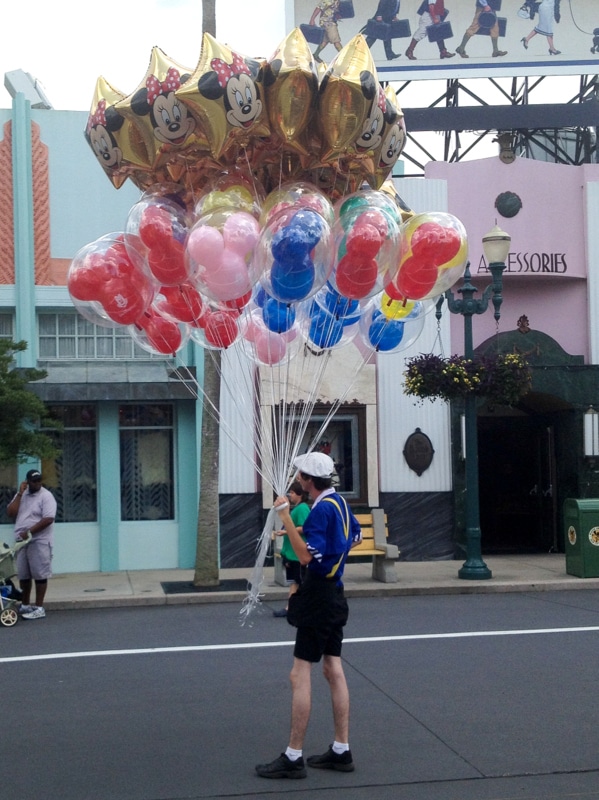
(396, 309)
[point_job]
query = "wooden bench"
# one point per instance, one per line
(374, 544)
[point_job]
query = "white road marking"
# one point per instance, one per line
(258, 645)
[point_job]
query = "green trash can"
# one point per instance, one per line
(581, 522)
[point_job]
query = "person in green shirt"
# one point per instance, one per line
(299, 511)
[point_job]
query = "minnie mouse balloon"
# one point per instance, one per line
(225, 96)
(163, 121)
(115, 141)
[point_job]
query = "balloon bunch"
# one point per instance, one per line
(272, 271)
(186, 125)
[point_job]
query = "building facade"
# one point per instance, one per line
(127, 478)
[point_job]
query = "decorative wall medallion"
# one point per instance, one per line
(418, 452)
(508, 204)
(594, 536)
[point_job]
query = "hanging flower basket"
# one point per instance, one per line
(502, 379)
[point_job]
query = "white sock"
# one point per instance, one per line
(340, 747)
(292, 754)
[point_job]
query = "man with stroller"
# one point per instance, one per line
(34, 509)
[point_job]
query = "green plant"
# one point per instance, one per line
(503, 378)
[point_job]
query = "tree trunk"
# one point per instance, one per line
(209, 17)
(206, 564)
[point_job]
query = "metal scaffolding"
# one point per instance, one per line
(464, 118)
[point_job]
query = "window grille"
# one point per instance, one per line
(146, 447)
(71, 337)
(72, 477)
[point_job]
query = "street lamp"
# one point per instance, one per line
(496, 246)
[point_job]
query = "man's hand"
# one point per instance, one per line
(23, 486)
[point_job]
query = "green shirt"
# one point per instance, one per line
(299, 514)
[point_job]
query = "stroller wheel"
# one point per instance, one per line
(8, 617)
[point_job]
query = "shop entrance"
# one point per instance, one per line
(519, 480)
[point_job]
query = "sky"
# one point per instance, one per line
(67, 44)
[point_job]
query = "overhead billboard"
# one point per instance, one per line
(411, 39)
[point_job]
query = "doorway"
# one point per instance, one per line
(518, 483)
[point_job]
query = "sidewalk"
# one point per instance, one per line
(515, 573)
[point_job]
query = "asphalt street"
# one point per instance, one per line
(462, 697)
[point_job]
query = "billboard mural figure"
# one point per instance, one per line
(328, 11)
(387, 11)
(430, 13)
(481, 7)
(549, 10)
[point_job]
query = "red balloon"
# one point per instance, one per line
(163, 335)
(416, 277)
(123, 302)
(182, 302)
(85, 282)
(220, 329)
(239, 302)
(363, 241)
(155, 227)
(376, 218)
(435, 242)
(355, 278)
(167, 263)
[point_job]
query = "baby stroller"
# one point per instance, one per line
(9, 594)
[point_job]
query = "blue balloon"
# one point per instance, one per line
(278, 317)
(260, 297)
(385, 334)
(325, 331)
(291, 244)
(291, 282)
(311, 223)
(339, 305)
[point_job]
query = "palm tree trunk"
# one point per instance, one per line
(206, 564)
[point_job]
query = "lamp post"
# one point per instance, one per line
(496, 246)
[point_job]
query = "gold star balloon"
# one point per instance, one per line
(164, 122)
(225, 95)
(348, 92)
(291, 91)
(116, 143)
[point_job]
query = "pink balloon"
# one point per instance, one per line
(270, 347)
(229, 280)
(205, 246)
(241, 233)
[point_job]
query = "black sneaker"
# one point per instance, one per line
(342, 762)
(282, 767)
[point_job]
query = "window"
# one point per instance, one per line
(8, 487)
(344, 439)
(69, 336)
(146, 445)
(72, 476)
(6, 326)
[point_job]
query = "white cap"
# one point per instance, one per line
(317, 465)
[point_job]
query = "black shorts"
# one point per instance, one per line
(313, 643)
(293, 571)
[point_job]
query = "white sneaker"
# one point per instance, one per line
(23, 609)
(37, 612)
